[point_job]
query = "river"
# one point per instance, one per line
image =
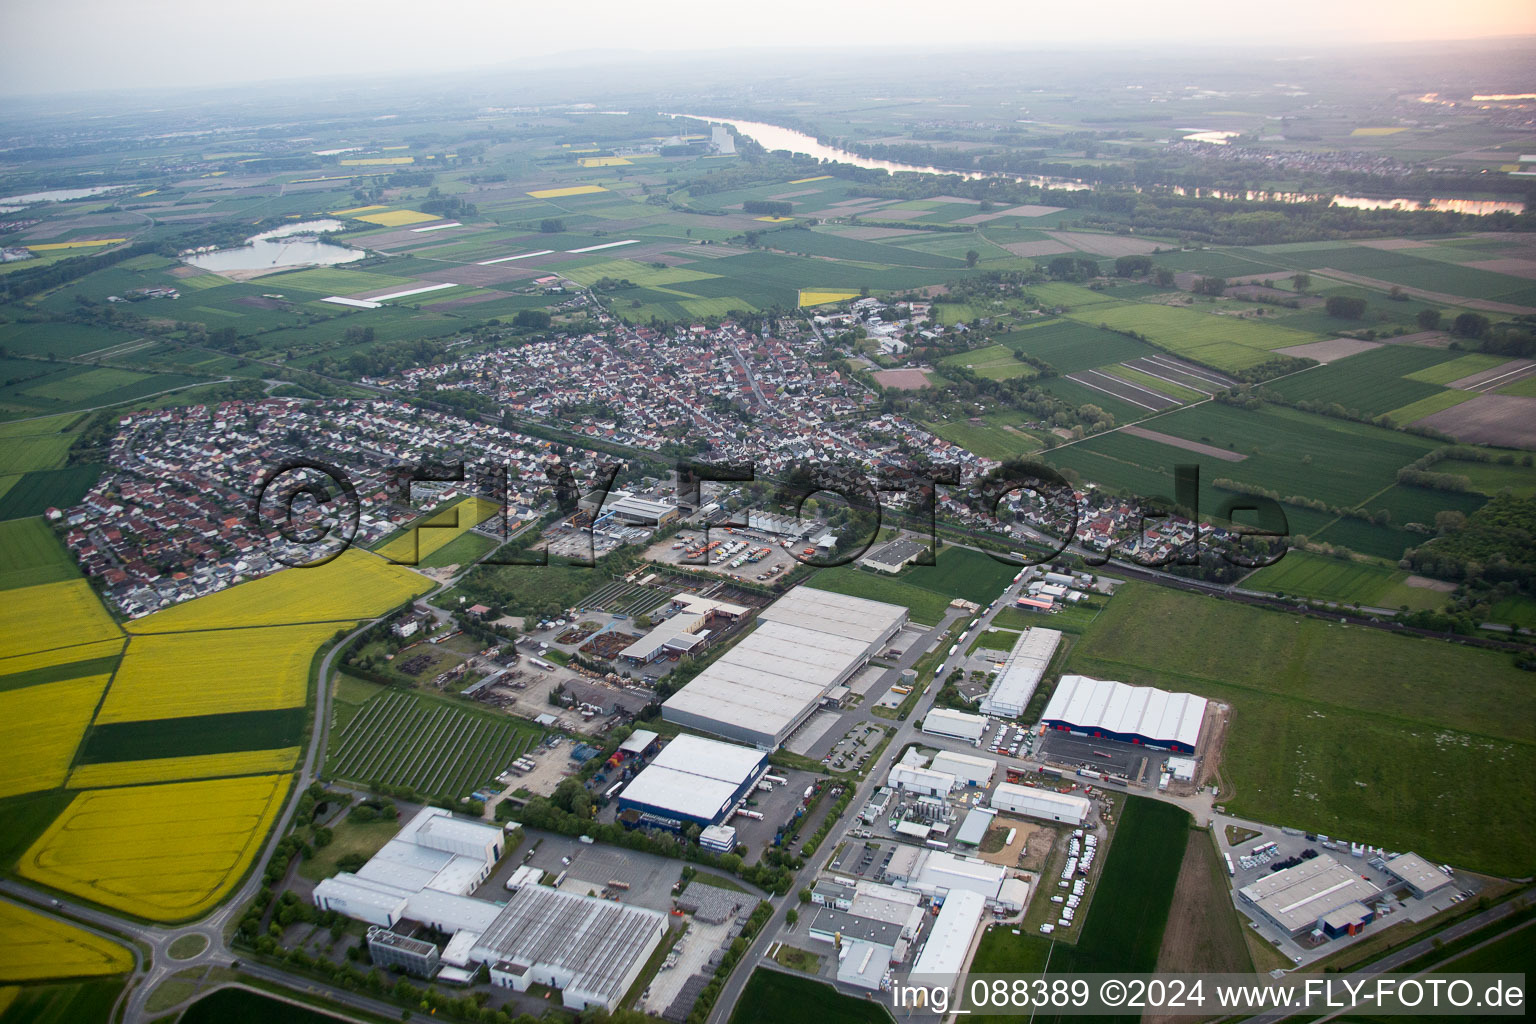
(775, 137)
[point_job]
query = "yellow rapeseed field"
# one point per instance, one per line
(802, 181)
(171, 769)
(375, 161)
(1377, 131)
(356, 585)
(40, 727)
(398, 218)
(356, 209)
(83, 243)
(572, 190)
(775, 220)
(61, 656)
(214, 672)
(34, 946)
(817, 296)
(166, 852)
(602, 161)
(422, 540)
(52, 615)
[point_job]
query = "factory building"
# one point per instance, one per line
(955, 724)
(967, 769)
(1418, 874)
(694, 620)
(949, 943)
(693, 780)
(1318, 895)
(923, 781)
(1045, 804)
(425, 873)
(936, 873)
(627, 508)
(390, 949)
(591, 949)
(895, 556)
(1021, 673)
(805, 644)
(1142, 715)
(974, 828)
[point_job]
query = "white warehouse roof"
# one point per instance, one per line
(804, 644)
(1152, 714)
(949, 941)
(1022, 671)
(966, 767)
(948, 722)
(1045, 803)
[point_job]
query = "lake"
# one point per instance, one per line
(292, 245)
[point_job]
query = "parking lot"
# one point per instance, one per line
(775, 562)
(1067, 750)
(854, 747)
(650, 877)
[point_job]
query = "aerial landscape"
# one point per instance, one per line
(507, 516)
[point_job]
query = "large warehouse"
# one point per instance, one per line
(1318, 894)
(1131, 714)
(1046, 804)
(958, 724)
(693, 779)
(1021, 673)
(805, 643)
(590, 949)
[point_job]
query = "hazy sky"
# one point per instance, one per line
(72, 45)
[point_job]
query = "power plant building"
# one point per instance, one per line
(805, 644)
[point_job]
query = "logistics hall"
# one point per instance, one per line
(805, 643)
(1143, 715)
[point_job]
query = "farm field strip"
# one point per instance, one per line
(174, 675)
(1117, 388)
(49, 616)
(1501, 379)
(194, 766)
(356, 585)
(35, 946)
(166, 852)
(40, 729)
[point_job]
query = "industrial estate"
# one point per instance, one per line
(545, 557)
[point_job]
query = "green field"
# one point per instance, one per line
(1333, 726)
(1492, 477)
(769, 994)
(241, 1006)
(1286, 451)
(34, 493)
(1303, 574)
(198, 734)
(436, 746)
(30, 554)
(69, 1003)
(1224, 342)
(1370, 383)
(1070, 346)
(1444, 372)
(995, 362)
(1124, 930)
(989, 435)
(1428, 406)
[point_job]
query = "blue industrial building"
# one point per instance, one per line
(693, 780)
